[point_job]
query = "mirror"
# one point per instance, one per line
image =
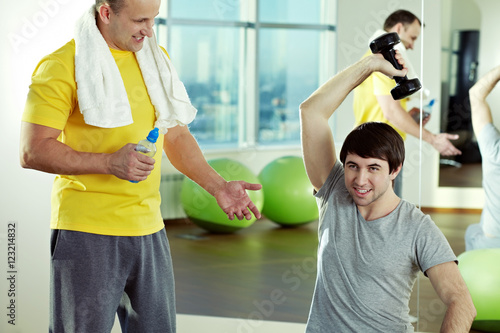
(461, 22)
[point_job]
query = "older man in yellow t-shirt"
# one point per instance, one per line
(110, 253)
(373, 100)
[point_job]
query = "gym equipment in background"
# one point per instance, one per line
(288, 194)
(202, 208)
(481, 273)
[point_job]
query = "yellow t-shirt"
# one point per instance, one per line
(100, 204)
(366, 106)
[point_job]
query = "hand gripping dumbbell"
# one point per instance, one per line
(385, 45)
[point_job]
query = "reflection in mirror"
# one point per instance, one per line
(461, 22)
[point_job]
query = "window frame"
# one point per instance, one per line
(249, 103)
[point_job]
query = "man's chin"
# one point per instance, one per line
(135, 46)
(362, 202)
(365, 201)
(134, 49)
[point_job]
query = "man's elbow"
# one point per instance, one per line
(26, 157)
(473, 311)
(476, 94)
(470, 309)
(24, 160)
(467, 305)
(303, 107)
(392, 113)
(467, 299)
(390, 116)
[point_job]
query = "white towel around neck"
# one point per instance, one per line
(101, 92)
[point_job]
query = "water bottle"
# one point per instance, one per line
(426, 110)
(147, 146)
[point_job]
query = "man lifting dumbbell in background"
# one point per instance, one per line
(374, 102)
(486, 234)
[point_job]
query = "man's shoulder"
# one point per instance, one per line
(65, 52)
(62, 59)
(410, 213)
(334, 181)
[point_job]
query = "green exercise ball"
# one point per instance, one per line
(481, 272)
(202, 208)
(288, 194)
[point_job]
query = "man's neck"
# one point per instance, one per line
(380, 208)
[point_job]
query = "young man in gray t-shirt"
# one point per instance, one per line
(486, 234)
(371, 243)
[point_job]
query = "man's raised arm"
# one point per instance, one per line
(318, 147)
(480, 110)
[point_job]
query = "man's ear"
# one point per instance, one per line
(396, 172)
(104, 12)
(398, 28)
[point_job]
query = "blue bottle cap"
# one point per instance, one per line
(153, 135)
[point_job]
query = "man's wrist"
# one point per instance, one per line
(107, 164)
(216, 185)
(428, 136)
(371, 63)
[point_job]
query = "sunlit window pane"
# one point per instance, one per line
(223, 10)
(288, 74)
(220, 47)
(290, 11)
(207, 60)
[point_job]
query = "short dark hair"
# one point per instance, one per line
(375, 140)
(400, 16)
(116, 5)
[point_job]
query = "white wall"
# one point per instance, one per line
(33, 28)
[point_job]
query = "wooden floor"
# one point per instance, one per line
(467, 175)
(267, 272)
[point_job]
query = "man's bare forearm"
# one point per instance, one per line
(45, 153)
(482, 88)
(186, 156)
(459, 317)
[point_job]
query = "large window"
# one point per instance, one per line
(247, 65)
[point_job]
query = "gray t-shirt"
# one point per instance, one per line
(367, 269)
(489, 145)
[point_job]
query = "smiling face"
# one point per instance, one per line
(126, 29)
(368, 180)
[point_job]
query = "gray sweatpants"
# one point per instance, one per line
(95, 276)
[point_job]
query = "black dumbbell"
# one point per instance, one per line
(385, 45)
